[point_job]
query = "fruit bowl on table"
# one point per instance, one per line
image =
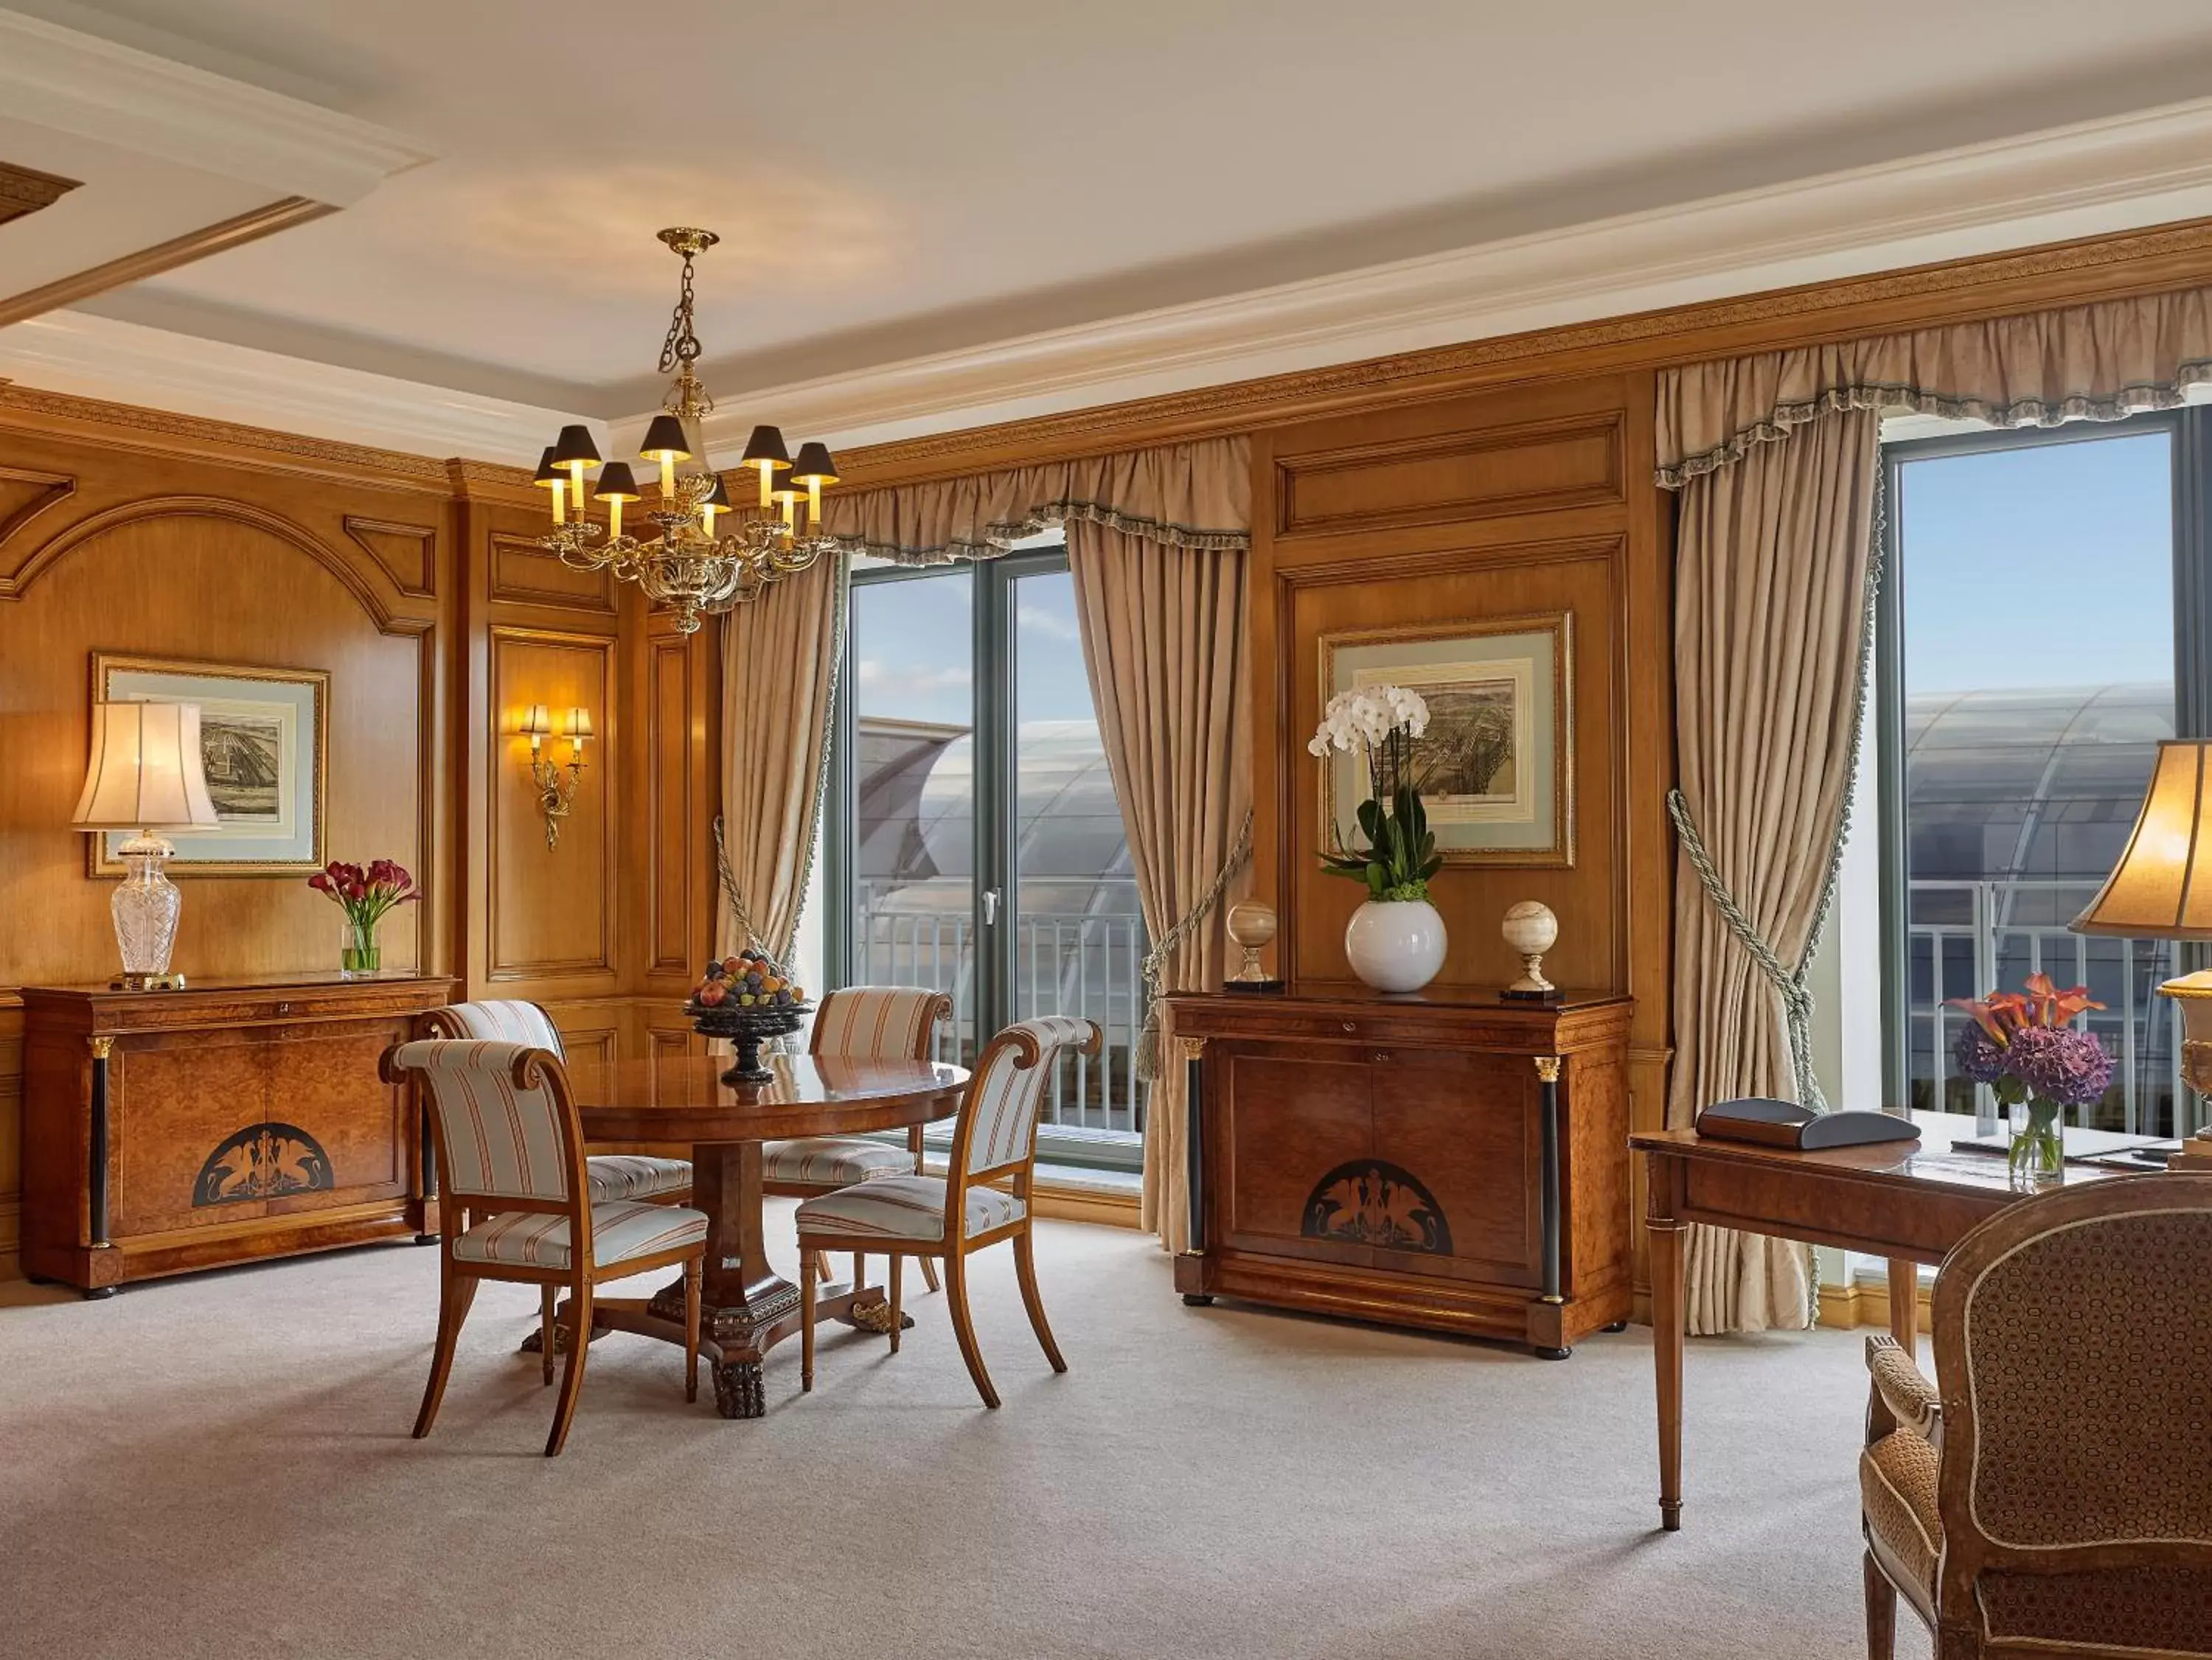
(747, 1000)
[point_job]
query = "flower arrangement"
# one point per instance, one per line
(2025, 1047)
(1379, 723)
(364, 895)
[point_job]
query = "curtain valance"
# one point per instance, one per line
(1183, 495)
(2097, 362)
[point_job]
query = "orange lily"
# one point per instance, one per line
(2000, 1015)
(2054, 1007)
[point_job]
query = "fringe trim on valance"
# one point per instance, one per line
(1000, 536)
(1776, 425)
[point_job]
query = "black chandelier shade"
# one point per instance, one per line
(666, 437)
(574, 448)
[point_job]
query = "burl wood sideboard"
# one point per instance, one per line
(1459, 1164)
(164, 1131)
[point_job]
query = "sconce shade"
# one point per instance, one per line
(815, 465)
(574, 445)
(2163, 887)
(767, 445)
(616, 483)
(579, 724)
(667, 436)
(547, 475)
(146, 772)
(536, 722)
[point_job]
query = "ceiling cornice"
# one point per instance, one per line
(26, 191)
(98, 357)
(2092, 179)
(161, 256)
(78, 83)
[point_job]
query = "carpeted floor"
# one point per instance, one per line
(220, 1466)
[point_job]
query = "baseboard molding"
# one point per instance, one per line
(1087, 1204)
(1864, 1303)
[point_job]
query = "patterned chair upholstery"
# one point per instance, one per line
(881, 1022)
(955, 1215)
(511, 1151)
(2055, 1494)
(612, 1176)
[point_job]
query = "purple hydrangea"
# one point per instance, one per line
(1975, 1054)
(2061, 1063)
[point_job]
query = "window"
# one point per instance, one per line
(974, 842)
(2040, 623)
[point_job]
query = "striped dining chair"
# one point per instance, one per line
(965, 1211)
(879, 1022)
(611, 1175)
(513, 1153)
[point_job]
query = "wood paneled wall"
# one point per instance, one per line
(1530, 502)
(415, 584)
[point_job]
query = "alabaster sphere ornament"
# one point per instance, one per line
(1251, 923)
(1531, 929)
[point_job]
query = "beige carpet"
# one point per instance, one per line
(220, 1466)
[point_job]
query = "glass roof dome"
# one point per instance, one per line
(2029, 785)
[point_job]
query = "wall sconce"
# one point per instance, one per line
(556, 783)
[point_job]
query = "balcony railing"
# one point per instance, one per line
(1066, 963)
(1965, 939)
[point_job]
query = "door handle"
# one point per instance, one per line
(990, 907)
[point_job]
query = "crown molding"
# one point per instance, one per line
(162, 256)
(26, 191)
(2091, 179)
(85, 356)
(79, 83)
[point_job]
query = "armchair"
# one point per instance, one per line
(2051, 1494)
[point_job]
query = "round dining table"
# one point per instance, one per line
(746, 1306)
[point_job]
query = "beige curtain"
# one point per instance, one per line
(1184, 495)
(1776, 459)
(1164, 640)
(773, 769)
(1156, 541)
(1770, 624)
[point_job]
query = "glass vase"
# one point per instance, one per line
(2037, 1152)
(359, 954)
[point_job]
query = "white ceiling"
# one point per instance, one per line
(894, 180)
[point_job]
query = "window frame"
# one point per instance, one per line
(2190, 433)
(995, 643)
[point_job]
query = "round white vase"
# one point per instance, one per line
(1395, 945)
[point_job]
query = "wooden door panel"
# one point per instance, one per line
(1457, 1140)
(224, 1128)
(1294, 1114)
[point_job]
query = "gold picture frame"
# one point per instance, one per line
(264, 731)
(1500, 692)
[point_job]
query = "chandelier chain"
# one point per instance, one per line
(682, 346)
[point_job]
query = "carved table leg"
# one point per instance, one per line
(738, 1391)
(1667, 1330)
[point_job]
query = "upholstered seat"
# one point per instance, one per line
(2055, 1496)
(511, 1156)
(607, 1175)
(950, 1216)
(905, 1207)
(611, 1176)
(626, 1228)
(832, 1161)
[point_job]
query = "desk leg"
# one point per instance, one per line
(1905, 1310)
(1667, 1329)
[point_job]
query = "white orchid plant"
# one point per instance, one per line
(1378, 724)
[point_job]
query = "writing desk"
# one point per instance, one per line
(1908, 1201)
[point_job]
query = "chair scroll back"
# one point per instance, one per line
(998, 1122)
(2073, 1345)
(505, 1020)
(506, 1129)
(880, 1021)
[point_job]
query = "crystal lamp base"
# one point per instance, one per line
(145, 907)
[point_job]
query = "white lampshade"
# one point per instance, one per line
(146, 772)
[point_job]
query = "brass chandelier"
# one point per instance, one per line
(688, 565)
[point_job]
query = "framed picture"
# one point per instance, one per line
(1496, 766)
(265, 741)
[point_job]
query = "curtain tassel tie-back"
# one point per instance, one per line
(1156, 960)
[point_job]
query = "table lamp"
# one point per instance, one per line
(2161, 889)
(146, 774)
